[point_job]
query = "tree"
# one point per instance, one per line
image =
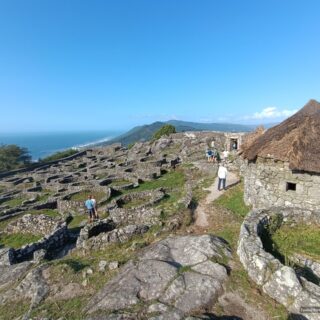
(164, 131)
(59, 155)
(13, 157)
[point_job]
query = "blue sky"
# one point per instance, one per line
(99, 64)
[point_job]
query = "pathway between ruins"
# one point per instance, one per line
(201, 211)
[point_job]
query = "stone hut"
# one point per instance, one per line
(283, 164)
(234, 140)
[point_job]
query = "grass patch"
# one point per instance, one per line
(76, 221)
(67, 309)
(17, 240)
(198, 191)
(83, 195)
(11, 311)
(169, 180)
(135, 203)
(232, 200)
(240, 282)
(230, 233)
(303, 239)
(15, 201)
(184, 269)
(187, 165)
(173, 182)
(48, 212)
(119, 183)
(43, 197)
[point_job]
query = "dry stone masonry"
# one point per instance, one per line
(277, 280)
(35, 224)
(271, 183)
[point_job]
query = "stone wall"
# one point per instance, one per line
(119, 235)
(65, 205)
(230, 137)
(54, 240)
(278, 281)
(265, 185)
(36, 224)
(94, 229)
(39, 165)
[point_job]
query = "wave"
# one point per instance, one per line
(88, 144)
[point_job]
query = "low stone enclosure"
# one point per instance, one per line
(56, 239)
(100, 233)
(278, 281)
(142, 211)
(138, 200)
(35, 224)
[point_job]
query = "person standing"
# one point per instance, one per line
(90, 208)
(209, 155)
(222, 175)
(95, 207)
(225, 155)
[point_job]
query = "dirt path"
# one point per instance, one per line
(201, 217)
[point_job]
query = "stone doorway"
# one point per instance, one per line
(234, 144)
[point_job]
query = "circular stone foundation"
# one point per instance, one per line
(278, 281)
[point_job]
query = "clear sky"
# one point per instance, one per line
(113, 64)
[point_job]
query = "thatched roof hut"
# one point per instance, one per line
(295, 140)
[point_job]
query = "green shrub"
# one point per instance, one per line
(13, 157)
(130, 145)
(164, 131)
(59, 155)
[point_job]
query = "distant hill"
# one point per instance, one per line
(145, 132)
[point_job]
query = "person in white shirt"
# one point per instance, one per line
(222, 175)
(225, 155)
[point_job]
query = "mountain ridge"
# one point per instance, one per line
(145, 132)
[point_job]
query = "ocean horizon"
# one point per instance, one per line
(43, 144)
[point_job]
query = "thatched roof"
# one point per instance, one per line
(295, 140)
(249, 138)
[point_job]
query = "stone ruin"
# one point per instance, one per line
(111, 172)
(280, 282)
(35, 224)
(54, 240)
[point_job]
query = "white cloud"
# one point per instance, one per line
(270, 113)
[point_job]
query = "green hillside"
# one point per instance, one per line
(146, 132)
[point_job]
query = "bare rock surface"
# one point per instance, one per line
(10, 274)
(32, 287)
(178, 271)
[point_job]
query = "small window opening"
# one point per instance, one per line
(291, 186)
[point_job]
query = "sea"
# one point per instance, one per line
(43, 144)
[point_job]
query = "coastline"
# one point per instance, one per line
(43, 144)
